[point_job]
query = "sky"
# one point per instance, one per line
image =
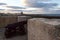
(31, 6)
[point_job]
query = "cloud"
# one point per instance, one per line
(15, 7)
(2, 9)
(52, 11)
(44, 0)
(55, 11)
(35, 1)
(22, 10)
(41, 5)
(15, 10)
(42, 11)
(3, 4)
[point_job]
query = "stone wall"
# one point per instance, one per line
(23, 18)
(43, 29)
(5, 20)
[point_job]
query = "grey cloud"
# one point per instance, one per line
(3, 4)
(15, 7)
(55, 11)
(34, 1)
(41, 5)
(15, 10)
(45, 0)
(23, 10)
(51, 12)
(2, 9)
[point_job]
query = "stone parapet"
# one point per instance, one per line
(43, 29)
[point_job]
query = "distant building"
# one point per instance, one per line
(21, 13)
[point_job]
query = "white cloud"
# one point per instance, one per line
(3, 1)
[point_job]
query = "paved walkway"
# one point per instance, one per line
(13, 38)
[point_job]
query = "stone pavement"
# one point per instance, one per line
(24, 37)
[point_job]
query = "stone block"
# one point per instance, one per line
(43, 29)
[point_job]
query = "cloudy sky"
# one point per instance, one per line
(32, 6)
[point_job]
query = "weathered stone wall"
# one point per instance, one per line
(23, 18)
(43, 29)
(4, 20)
